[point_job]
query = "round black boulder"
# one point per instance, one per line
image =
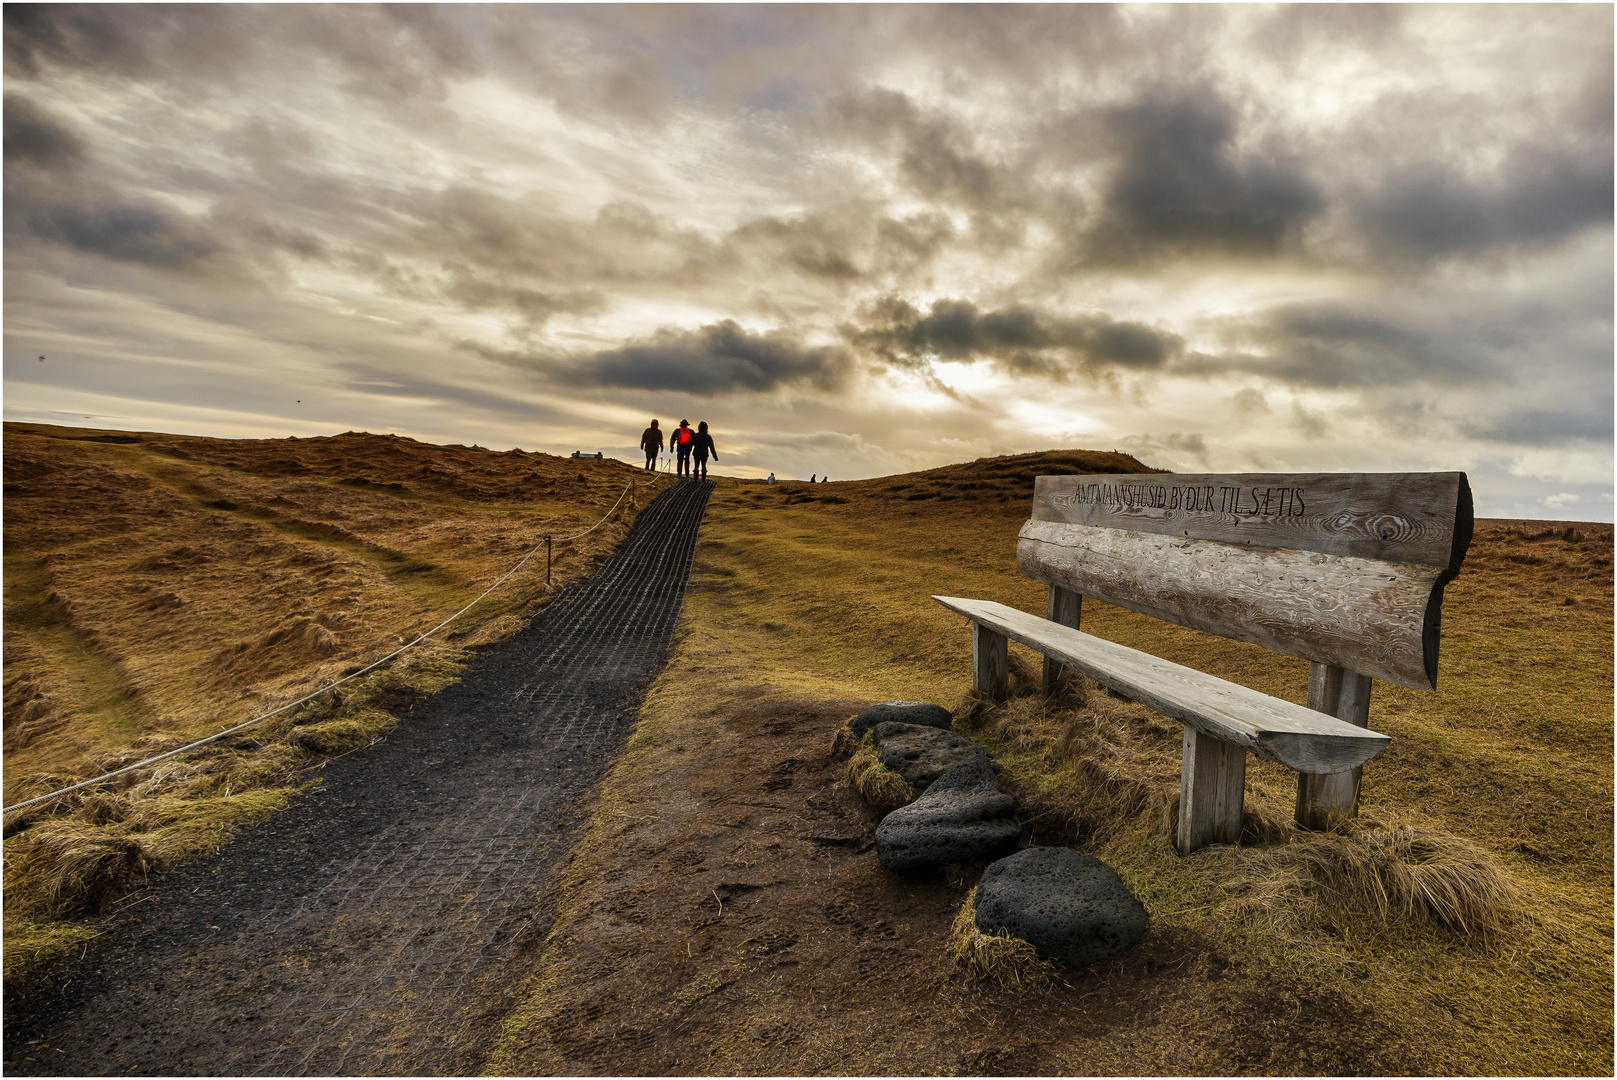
(1070, 906)
(902, 712)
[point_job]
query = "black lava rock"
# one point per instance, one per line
(902, 712)
(921, 754)
(962, 817)
(1070, 906)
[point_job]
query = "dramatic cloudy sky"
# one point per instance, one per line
(856, 240)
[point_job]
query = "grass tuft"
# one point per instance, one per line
(846, 741)
(1403, 874)
(64, 868)
(878, 785)
(31, 945)
(1010, 963)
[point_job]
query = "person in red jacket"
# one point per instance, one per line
(702, 444)
(680, 443)
(651, 441)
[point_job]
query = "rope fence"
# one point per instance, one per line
(373, 665)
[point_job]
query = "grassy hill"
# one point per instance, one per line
(159, 588)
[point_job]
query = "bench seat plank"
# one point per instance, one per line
(1294, 736)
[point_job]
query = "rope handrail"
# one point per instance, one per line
(309, 697)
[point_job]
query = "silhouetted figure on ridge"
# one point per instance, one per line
(652, 443)
(680, 443)
(702, 444)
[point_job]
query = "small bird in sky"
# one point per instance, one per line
(42, 359)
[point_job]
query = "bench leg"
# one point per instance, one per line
(990, 663)
(1325, 799)
(1212, 785)
(1065, 607)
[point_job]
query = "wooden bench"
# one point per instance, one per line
(1344, 570)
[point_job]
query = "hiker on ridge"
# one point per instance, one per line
(703, 445)
(680, 443)
(652, 443)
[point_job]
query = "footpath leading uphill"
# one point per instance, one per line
(368, 928)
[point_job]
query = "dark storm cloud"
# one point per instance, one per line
(935, 155)
(1335, 344)
(1015, 338)
(1543, 194)
(49, 198)
(36, 138)
(719, 359)
(1180, 186)
(1547, 427)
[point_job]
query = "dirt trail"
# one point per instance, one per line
(368, 928)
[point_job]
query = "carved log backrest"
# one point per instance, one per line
(1345, 569)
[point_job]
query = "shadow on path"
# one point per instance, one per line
(370, 928)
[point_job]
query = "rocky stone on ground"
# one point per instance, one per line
(1070, 906)
(921, 754)
(962, 817)
(902, 712)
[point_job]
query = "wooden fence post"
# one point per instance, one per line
(1323, 799)
(990, 662)
(1065, 607)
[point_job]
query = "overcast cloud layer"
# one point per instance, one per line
(856, 240)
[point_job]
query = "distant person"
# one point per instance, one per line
(702, 446)
(680, 443)
(771, 479)
(812, 476)
(652, 443)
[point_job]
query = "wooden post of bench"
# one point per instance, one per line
(1323, 800)
(1212, 782)
(1065, 607)
(990, 663)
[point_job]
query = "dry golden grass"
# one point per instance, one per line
(1089, 766)
(159, 588)
(1491, 810)
(878, 785)
(1008, 962)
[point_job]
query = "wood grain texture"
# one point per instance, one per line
(1065, 607)
(990, 662)
(1423, 518)
(1212, 790)
(1322, 801)
(1361, 614)
(1296, 737)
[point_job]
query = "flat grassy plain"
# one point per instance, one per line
(159, 588)
(810, 601)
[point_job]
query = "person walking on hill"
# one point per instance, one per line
(652, 443)
(702, 445)
(680, 443)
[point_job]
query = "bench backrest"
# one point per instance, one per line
(1345, 569)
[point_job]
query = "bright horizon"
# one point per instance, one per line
(857, 241)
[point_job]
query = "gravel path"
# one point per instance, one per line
(370, 928)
